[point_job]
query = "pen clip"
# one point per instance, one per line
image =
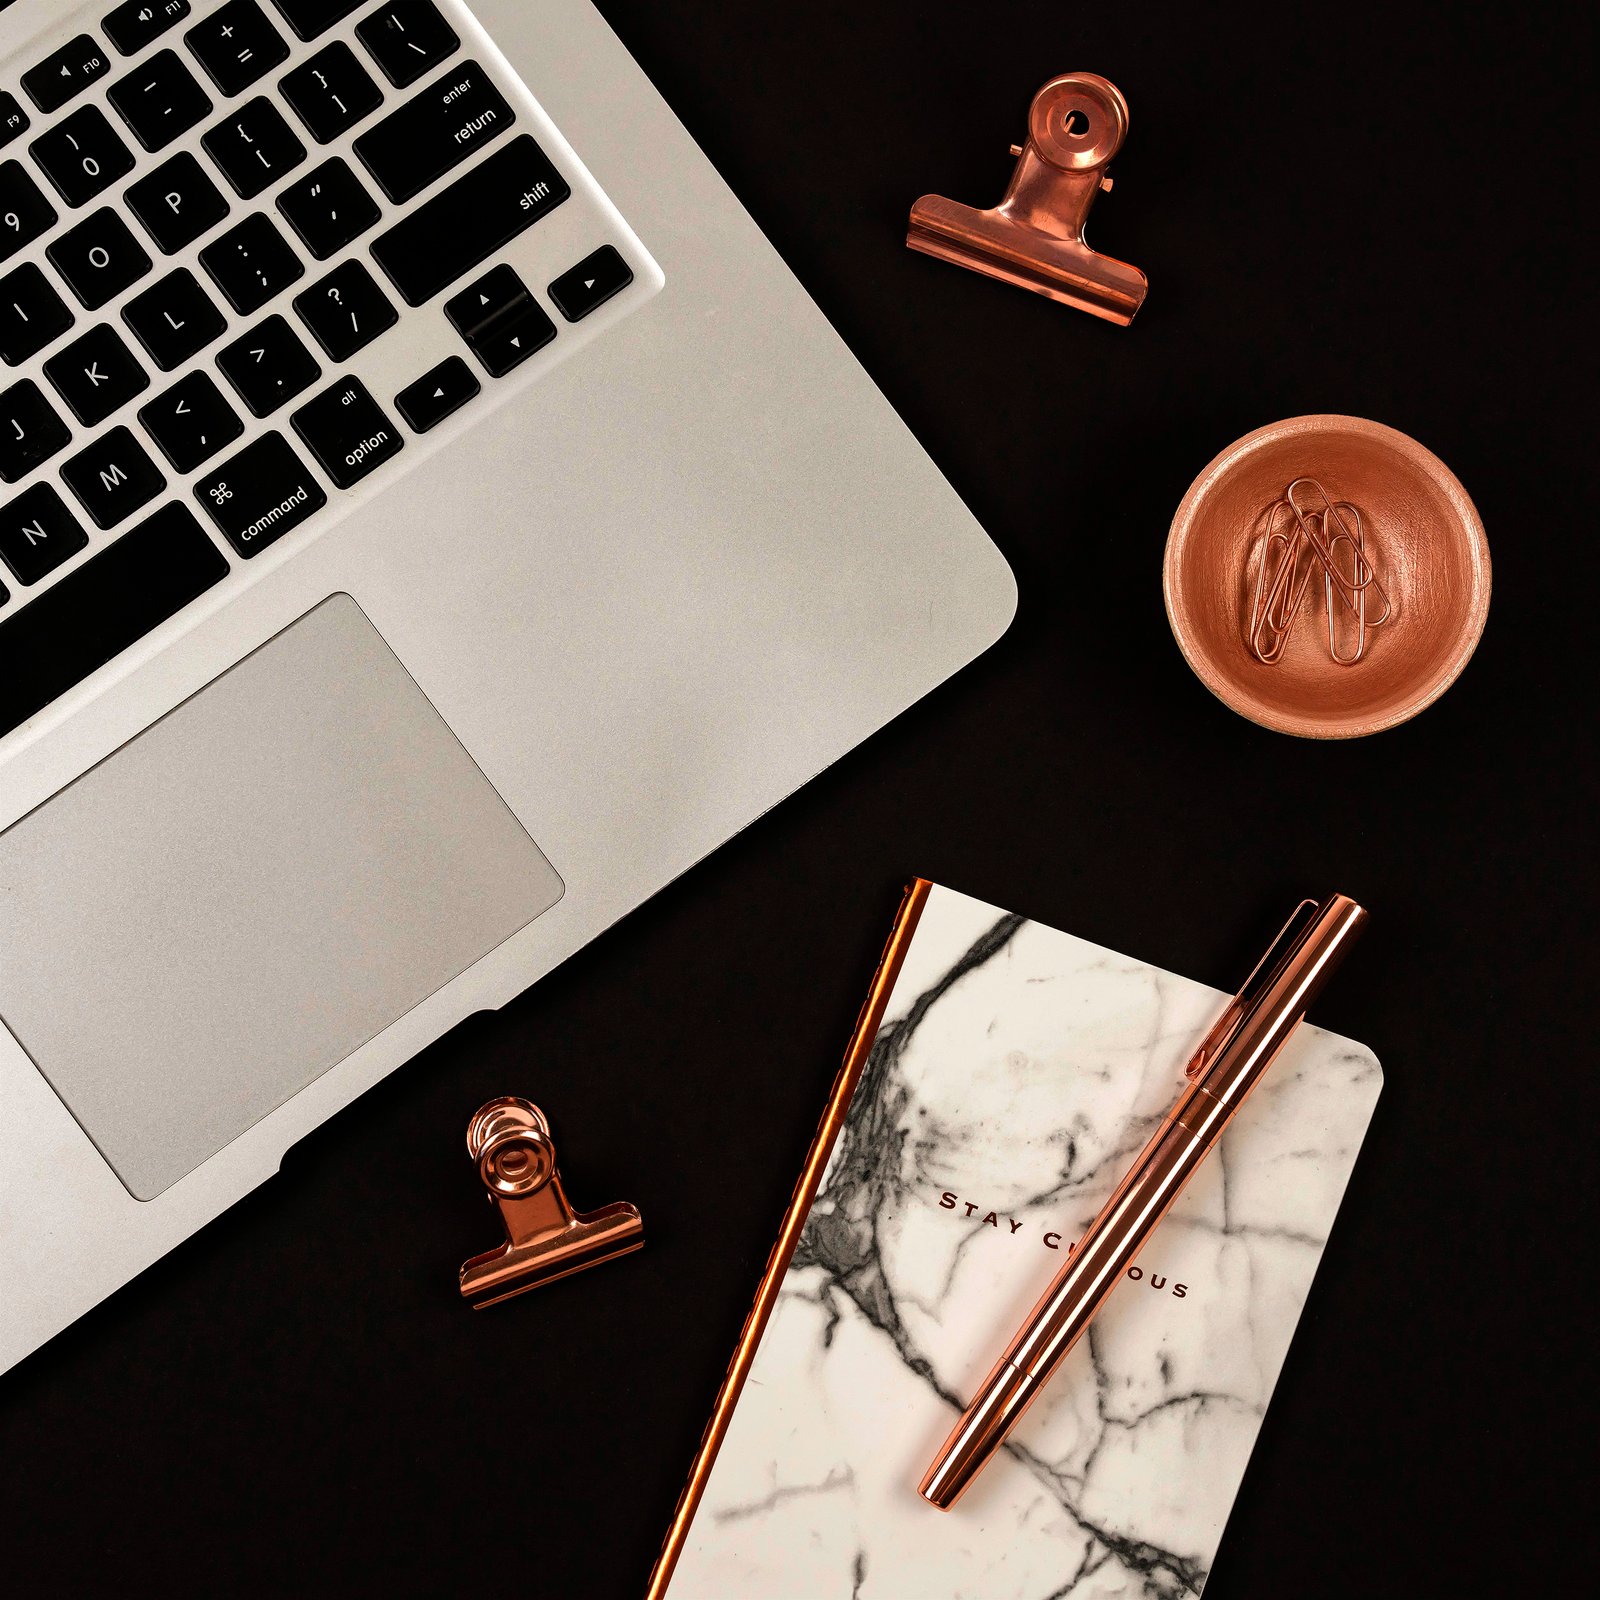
(1264, 971)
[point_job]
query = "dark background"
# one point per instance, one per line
(1361, 209)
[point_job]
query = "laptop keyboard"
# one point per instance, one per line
(252, 256)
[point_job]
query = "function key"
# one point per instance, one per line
(439, 391)
(331, 92)
(437, 129)
(96, 374)
(173, 319)
(31, 314)
(177, 203)
(328, 208)
(132, 26)
(159, 99)
(268, 365)
(590, 284)
(236, 45)
(99, 258)
(30, 432)
(24, 211)
(308, 18)
(191, 421)
(82, 155)
(346, 311)
(251, 263)
(13, 119)
(254, 147)
(38, 533)
(113, 477)
(65, 72)
(260, 494)
(346, 432)
(407, 38)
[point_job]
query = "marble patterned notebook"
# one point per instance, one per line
(1003, 1077)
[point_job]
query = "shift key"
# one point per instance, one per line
(447, 236)
(260, 494)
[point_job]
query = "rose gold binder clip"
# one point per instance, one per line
(546, 1239)
(1034, 237)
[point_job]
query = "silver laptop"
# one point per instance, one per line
(433, 518)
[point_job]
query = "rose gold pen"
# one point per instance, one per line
(1242, 1045)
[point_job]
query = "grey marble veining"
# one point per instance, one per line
(1016, 1073)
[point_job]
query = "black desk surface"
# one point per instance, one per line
(1355, 209)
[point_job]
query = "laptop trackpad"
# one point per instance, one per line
(259, 883)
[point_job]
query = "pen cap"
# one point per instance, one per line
(1278, 995)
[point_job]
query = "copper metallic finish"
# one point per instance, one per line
(1245, 1041)
(1034, 237)
(509, 1140)
(844, 1087)
(1428, 543)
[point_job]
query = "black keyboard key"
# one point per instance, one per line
(269, 365)
(65, 72)
(38, 533)
(450, 234)
(24, 211)
(30, 431)
(251, 263)
(500, 320)
(439, 391)
(437, 129)
(260, 494)
(308, 18)
(13, 119)
(407, 38)
(236, 45)
(498, 293)
(113, 477)
(159, 99)
(346, 432)
(254, 147)
(173, 319)
(331, 93)
(191, 421)
(99, 258)
(132, 26)
(590, 284)
(177, 203)
(346, 310)
(96, 611)
(82, 155)
(31, 314)
(328, 208)
(96, 374)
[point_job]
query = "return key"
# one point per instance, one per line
(435, 131)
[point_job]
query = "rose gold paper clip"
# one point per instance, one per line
(1034, 237)
(546, 1239)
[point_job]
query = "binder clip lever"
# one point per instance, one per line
(546, 1239)
(1034, 237)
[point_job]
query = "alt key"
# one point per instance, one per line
(347, 433)
(439, 391)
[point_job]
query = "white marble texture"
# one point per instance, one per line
(1019, 1069)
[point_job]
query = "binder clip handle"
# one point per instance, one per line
(510, 1144)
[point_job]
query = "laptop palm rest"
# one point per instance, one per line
(248, 891)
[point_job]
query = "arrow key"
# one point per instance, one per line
(590, 284)
(191, 421)
(268, 366)
(439, 391)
